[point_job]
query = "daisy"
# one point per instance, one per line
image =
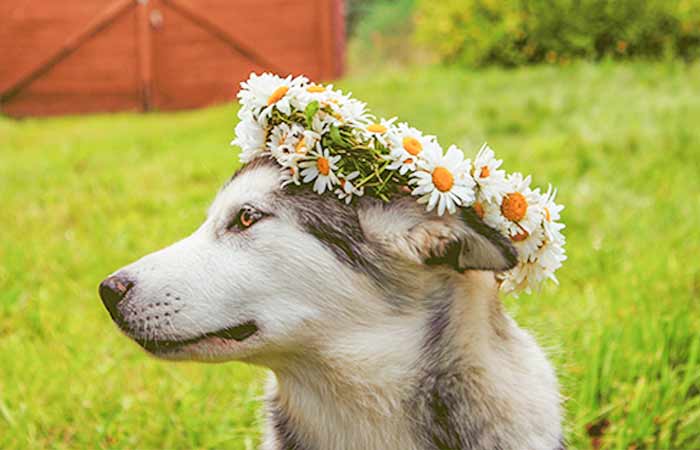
(382, 131)
(550, 257)
(284, 135)
(352, 112)
(307, 140)
(528, 243)
(552, 226)
(347, 190)
(527, 276)
(490, 179)
(441, 180)
(250, 137)
(521, 207)
(407, 145)
(320, 168)
(312, 136)
(290, 174)
(521, 278)
(302, 95)
(263, 93)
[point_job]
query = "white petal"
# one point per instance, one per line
(441, 205)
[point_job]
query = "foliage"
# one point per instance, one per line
(85, 195)
(355, 11)
(383, 33)
(361, 153)
(516, 32)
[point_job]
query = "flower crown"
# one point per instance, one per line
(323, 136)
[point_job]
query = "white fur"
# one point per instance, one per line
(344, 361)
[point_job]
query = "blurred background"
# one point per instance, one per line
(115, 118)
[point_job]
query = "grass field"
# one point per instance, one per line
(82, 196)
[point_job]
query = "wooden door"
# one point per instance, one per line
(78, 56)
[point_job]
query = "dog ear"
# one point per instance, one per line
(461, 241)
(473, 245)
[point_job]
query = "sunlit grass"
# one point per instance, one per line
(82, 196)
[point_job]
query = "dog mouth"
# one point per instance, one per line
(238, 333)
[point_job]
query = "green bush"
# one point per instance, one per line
(516, 32)
(381, 32)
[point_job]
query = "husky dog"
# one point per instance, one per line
(380, 322)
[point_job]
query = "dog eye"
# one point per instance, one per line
(246, 218)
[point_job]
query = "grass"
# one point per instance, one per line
(82, 196)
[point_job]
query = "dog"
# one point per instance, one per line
(380, 322)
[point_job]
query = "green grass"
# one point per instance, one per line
(82, 196)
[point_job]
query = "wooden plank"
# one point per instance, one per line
(113, 11)
(338, 21)
(102, 74)
(197, 57)
(325, 21)
(145, 54)
(221, 34)
(192, 68)
(30, 30)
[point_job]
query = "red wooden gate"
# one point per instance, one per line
(77, 56)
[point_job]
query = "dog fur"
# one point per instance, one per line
(381, 323)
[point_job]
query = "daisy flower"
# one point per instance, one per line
(301, 96)
(286, 156)
(307, 140)
(521, 208)
(250, 137)
(268, 91)
(284, 135)
(489, 178)
(521, 278)
(527, 276)
(550, 257)
(442, 180)
(321, 169)
(407, 145)
(290, 174)
(352, 112)
(552, 226)
(528, 243)
(382, 131)
(347, 190)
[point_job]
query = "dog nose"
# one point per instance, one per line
(113, 290)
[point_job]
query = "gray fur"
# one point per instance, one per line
(287, 438)
(378, 330)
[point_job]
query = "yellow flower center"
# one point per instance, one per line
(323, 166)
(277, 95)
(485, 172)
(376, 128)
(301, 146)
(443, 179)
(315, 89)
(412, 145)
(479, 210)
(547, 215)
(514, 206)
(520, 236)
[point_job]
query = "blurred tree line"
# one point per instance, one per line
(516, 32)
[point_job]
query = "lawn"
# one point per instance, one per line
(82, 196)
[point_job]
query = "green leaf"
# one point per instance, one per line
(310, 111)
(337, 138)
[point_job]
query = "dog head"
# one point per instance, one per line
(274, 269)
